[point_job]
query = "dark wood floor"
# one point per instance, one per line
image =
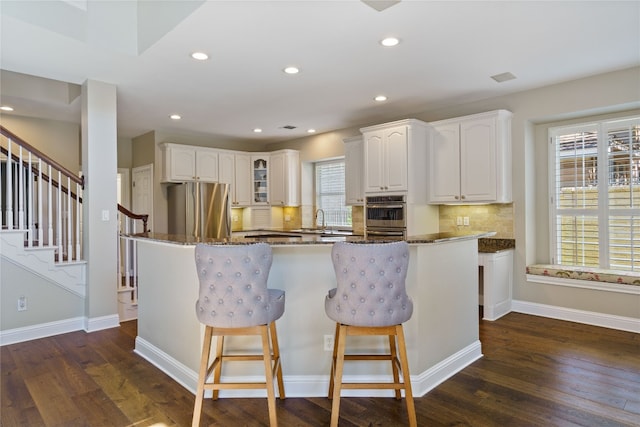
(535, 372)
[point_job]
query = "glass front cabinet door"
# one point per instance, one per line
(260, 180)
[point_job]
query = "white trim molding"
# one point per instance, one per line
(610, 321)
(585, 284)
(43, 330)
(313, 385)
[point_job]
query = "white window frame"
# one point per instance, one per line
(602, 211)
(315, 193)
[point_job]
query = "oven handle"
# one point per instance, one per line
(386, 206)
(386, 233)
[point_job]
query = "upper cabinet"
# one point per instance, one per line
(187, 163)
(395, 157)
(353, 173)
(235, 169)
(284, 172)
(260, 173)
(470, 159)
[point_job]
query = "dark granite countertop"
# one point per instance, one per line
(493, 245)
(280, 238)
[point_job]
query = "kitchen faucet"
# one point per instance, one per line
(318, 211)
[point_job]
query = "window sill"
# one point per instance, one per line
(587, 278)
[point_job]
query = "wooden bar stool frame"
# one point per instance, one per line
(270, 356)
(397, 356)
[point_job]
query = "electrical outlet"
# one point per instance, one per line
(328, 343)
(459, 220)
(22, 303)
(466, 220)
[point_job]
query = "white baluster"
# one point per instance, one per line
(32, 222)
(69, 228)
(59, 212)
(9, 196)
(40, 218)
(134, 269)
(50, 209)
(78, 216)
(127, 254)
(21, 193)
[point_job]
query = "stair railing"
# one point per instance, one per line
(40, 197)
(127, 254)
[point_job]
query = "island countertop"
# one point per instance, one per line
(294, 238)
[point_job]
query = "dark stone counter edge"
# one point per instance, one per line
(308, 239)
(492, 245)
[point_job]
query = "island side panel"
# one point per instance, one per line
(168, 290)
(445, 288)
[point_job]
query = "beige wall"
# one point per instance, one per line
(496, 217)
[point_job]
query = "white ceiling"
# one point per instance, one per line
(447, 53)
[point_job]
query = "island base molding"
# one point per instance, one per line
(312, 385)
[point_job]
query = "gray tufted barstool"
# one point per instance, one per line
(234, 300)
(370, 299)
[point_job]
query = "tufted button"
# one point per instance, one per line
(381, 300)
(267, 307)
(206, 299)
(344, 270)
(398, 270)
(259, 298)
(353, 285)
(239, 301)
(353, 259)
(397, 296)
(372, 286)
(372, 260)
(203, 272)
(213, 312)
(362, 300)
(353, 312)
(219, 274)
(404, 306)
(238, 274)
(381, 272)
(362, 272)
(228, 261)
(345, 297)
(210, 260)
(391, 311)
(337, 307)
(247, 260)
(372, 313)
(220, 301)
(390, 259)
(390, 285)
(257, 271)
(212, 287)
(250, 312)
(249, 286)
(201, 309)
(230, 314)
(230, 288)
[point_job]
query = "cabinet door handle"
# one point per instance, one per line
(456, 197)
(463, 197)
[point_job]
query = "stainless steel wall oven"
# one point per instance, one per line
(386, 217)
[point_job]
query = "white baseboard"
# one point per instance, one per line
(629, 324)
(312, 385)
(43, 330)
(94, 324)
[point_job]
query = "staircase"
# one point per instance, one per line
(41, 223)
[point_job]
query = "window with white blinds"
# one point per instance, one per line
(330, 196)
(595, 187)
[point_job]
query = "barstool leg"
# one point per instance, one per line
(276, 359)
(394, 364)
(333, 360)
(217, 371)
(335, 406)
(268, 372)
(202, 377)
(404, 365)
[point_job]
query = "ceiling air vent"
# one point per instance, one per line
(503, 77)
(290, 127)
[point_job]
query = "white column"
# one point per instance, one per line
(100, 233)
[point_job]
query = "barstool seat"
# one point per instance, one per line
(370, 299)
(234, 300)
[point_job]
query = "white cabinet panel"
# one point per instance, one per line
(285, 178)
(183, 163)
(353, 173)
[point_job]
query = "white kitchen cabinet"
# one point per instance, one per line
(395, 159)
(353, 173)
(284, 172)
(496, 283)
(235, 169)
(260, 179)
(470, 159)
(183, 163)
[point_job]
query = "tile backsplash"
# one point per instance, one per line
(495, 217)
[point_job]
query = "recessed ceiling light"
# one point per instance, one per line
(175, 117)
(380, 98)
(291, 70)
(311, 131)
(200, 56)
(389, 42)
(257, 130)
(6, 108)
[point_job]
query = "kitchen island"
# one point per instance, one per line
(442, 336)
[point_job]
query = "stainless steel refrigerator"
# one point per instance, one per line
(199, 209)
